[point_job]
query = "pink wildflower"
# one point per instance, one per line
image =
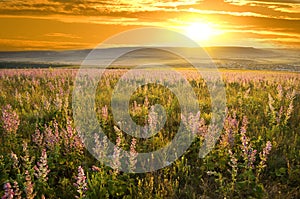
(29, 186)
(133, 155)
(81, 183)
(10, 119)
(41, 169)
(8, 191)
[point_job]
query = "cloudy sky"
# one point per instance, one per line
(79, 24)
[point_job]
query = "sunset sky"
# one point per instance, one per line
(80, 24)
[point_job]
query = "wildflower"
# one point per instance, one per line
(116, 163)
(279, 115)
(10, 119)
(58, 102)
(152, 119)
(17, 191)
(193, 123)
(26, 160)
(244, 139)
(81, 183)
(263, 158)
(271, 102)
(266, 151)
(231, 128)
(8, 191)
(71, 138)
(14, 157)
(41, 169)
(96, 169)
(146, 102)
(279, 92)
(233, 161)
(234, 168)
(50, 139)
(105, 112)
(29, 186)
(249, 154)
(251, 158)
(37, 137)
(289, 111)
(133, 155)
(100, 148)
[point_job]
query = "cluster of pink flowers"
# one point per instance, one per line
(81, 183)
(100, 148)
(41, 169)
(52, 136)
(116, 161)
(277, 106)
(17, 191)
(29, 186)
(8, 191)
(231, 129)
(105, 112)
(15, 159)
(133, 155)
(248, 153)
(264, 154)
(195, 124)
(10, 119)
(71, 139)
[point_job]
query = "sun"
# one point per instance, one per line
(199, 31)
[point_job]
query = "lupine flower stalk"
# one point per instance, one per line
(26, 160)
(194, 123)
(100, 148)
(133, 155)
(10, 119)
(116, 161)
(248, 152)
(234, 168)
(289, 112)
(231, 128)
(37, 137)
(263, 158)
(72, 141)
(81, 183)
(50, 138)
(17, 191)
(264, 154)
(41, 169)
(105, 112)
(95, 168)
(29, 186)
(152, 120)
(15, 159)
(8, 191)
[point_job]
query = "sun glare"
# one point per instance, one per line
(199, 31)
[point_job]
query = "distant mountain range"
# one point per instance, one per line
(222, 55)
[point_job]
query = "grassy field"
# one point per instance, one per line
(256, 156)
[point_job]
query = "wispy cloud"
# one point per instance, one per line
(20, 44)
(59, 34)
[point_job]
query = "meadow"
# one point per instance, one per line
(256, 156)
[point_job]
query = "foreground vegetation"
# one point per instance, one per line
(257, 155)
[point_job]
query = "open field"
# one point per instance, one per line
(256, 156)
